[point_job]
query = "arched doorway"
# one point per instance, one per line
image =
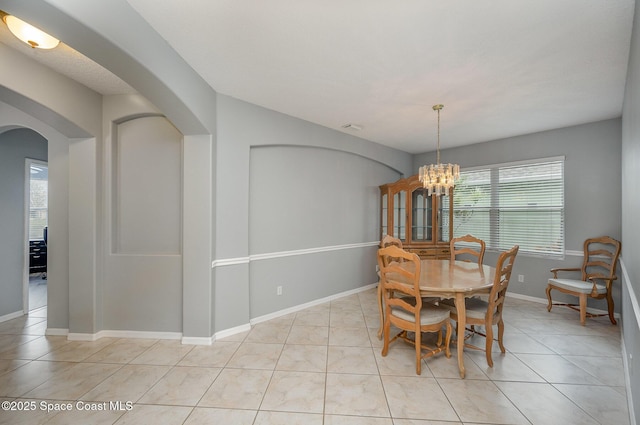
(36, 230)
(19, 148)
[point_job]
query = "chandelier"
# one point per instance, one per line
(438, 178)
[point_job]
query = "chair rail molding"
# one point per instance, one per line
(271, 255)
(229, 262)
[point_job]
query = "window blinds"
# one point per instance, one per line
(513, 204)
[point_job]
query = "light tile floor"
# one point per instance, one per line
(321, 365)
(37, 291)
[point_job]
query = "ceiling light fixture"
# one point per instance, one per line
(439, 178)
(29, 34)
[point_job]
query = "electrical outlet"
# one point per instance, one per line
(279, 290)
(520, 278)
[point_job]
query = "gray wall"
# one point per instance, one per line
(630, 211)
(141, 285)
(592, 191)
(265, 158)
(15, 146)
(305, 198)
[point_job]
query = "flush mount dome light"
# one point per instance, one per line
(29, 34)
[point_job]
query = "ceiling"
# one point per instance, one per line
(501, 67)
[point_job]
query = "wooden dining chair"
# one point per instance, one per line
(487, 313)
(386, 241)
(598, 272)
(404, 308)
(467, 246)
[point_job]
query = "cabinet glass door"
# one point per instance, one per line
(383, 216)
(443, 219)
(421, 226)
(400, 215)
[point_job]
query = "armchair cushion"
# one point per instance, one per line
(576, 285)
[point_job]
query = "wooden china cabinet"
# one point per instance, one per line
(423, 223)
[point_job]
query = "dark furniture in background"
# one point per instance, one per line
(38, 255)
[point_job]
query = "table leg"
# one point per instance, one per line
(462, 322)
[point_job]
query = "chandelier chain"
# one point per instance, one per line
(438, 150)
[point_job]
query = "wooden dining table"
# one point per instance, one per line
(452, 279)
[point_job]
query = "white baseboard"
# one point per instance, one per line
(545, 302)
(627, 383)
(73, 336)
(244, 328)
(633, 299)
(197, 340)
(56, 332)
(231, 331)
(11, 316)
(526, 298)
(311, 304)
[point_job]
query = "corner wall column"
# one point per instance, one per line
(83, 317)
(197, 233)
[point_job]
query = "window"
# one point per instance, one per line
(513, 204)
(38, 198)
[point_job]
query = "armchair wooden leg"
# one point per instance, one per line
(549, 298)
(583, 309)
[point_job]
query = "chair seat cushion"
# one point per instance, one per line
(576, 285)
(476, 308)
(429, 314)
